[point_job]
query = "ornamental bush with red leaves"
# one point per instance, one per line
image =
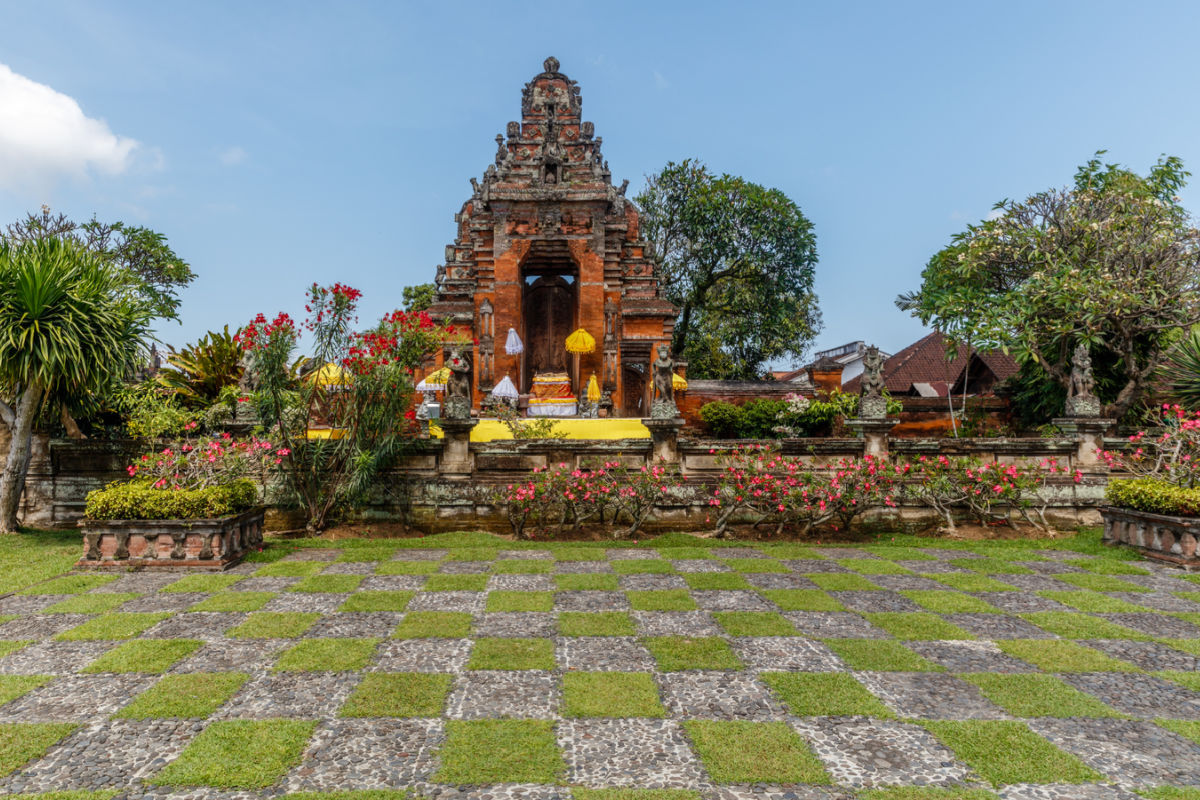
(362, 405)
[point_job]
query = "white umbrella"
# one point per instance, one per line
(506, 389)
(514, 346)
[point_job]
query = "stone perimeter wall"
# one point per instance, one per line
(422, 494)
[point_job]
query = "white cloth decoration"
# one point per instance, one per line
(506, 389)
(513, 345)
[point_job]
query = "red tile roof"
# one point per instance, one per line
(924, 361)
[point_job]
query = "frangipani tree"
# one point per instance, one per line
(69, 323)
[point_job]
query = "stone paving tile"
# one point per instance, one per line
(700, 565)
(644, 583)
(264, 583)
(1129, 752)
(29, 603)
(602, 654)
(1020, 602)
(141, 582)
(392, 583)
(862, 752)
(313, 554)
(581, 567)
(931, 567)
(350, 568)
(735, 600)
(997, 626)
(75, 698)
(354, 625)
(41, 626)
(163, 601)
(1156, 625)
(351, 754)
(929, 695)
(834, 625)
(591, 601)
(845, 552)
(421, 655)
(525, 694)
(521, 583)
(525, 555)
(766, 792)
(676, 623)
(195, 625)
(296, 695)
(53, 658)
(465, 567)
(968, 656)
(106, 755)
(1146, 655)
(779, 580)
(1049, 567)
(904, 582)
(1161, 582)
(234, 655)
(493, 791)
(519, 624)
(306, 602)
(875, 601)
(786, 653)
(1037, 583)
(632, 553)
(643, 753)
(950, 554)
(419, 554)
(470, 602)
(1138, 695)
(718, 695)
(1158, 601)
(809, 566)
(1065, 791)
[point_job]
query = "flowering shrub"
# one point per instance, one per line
(989, 492)
(1172, 456)
(140, 500)
(562, 498)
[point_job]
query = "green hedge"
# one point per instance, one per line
(139, 500)
(1153, 496)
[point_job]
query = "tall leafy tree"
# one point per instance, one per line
(1112, 261)
(69, 322)
(737, 259)
(419, 297)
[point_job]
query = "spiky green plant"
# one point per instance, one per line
(1182, 370)
(199, 371)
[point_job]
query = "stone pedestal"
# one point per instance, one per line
(874, 433)
(213, 544)
(456, 447)
(1088, 433)
(1170, 539)
(664, 434)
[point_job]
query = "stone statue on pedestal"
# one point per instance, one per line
(663, 401)
(458, 386)
(1081, 396)
(871, 402)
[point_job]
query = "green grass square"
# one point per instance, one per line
(523, 566)
(1100, 583)
(520, 601)
(991, 566)
(194, 695)
(1188, 616)
(661, 600)
(332, 584)
(407, 567)
(1186, 645)
(1071, 625)
(327, 655)
(202, 583)
(918, 625)
(791, 551)
(99, 603)
(1189, 680)
(473, 554)
(399, 694)
(512, 654)
(580, 793)
(675, 653)
(601, 623)
(824, 694)
(1062, 656)
(842, 582)
(500, 751)
(111, 626)
(754, 623)
(874, 566)
(586, 582)
(234, 601)
(1086, 600)
(366, 554)
(970, 582)
(21, 742)
(577, 553)
(754, 565)
(13, 686)
(456, 583)
(1107, 566)
(1037, 695)
(610, 694)
(274, 625)
(715, 581)
(1187, 728)
(1006, 752)
(802, 600)
(145, 655)
(433, 625)
(377, 601)
(754, 752)
(643, 566)
(879, 655)
(895, 552)
(686, 553)
(1171, 793)
(70, 584)
(941, 601)
(239, 754)
(10, 646)
(291, 569)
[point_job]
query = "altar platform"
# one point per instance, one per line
(618, 428)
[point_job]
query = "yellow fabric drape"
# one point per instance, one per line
(581, 342)
(593, 390)
(678, 383)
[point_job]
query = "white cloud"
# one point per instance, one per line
(233, 156)
(660, 81)
(995, 213)
(45, 136)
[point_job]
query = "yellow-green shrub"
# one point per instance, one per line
(1153, 496)
(139, 500)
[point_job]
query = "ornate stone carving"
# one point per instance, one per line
(871, 402)
(458, 387)
(663, 368)
(1081, 392)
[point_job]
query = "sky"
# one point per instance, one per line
(280, 143)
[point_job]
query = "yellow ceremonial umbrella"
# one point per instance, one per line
(331, 375)
(581, 342)
(678, 383)
(434, 381)
(593, 390)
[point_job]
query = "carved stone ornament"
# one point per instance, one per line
(1081, 393)
(871, 402)
(458, 386)
(663, 370)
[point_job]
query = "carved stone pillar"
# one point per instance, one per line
(1088, 433)
(457, 461)
(664, 436)
(874, 433)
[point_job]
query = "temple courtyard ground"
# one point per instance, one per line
(467, 666)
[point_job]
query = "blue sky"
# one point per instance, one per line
(280, 143)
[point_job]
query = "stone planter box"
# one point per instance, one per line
(1157, 536)
(213, 544)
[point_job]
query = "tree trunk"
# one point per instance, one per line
(20, 448)
(73, 429)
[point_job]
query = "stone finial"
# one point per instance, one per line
(551, 64)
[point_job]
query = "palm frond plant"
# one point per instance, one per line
(199, 371)
(1181, 372)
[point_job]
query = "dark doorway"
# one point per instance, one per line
(633, 396)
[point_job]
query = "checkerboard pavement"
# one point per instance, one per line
(627, 668)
